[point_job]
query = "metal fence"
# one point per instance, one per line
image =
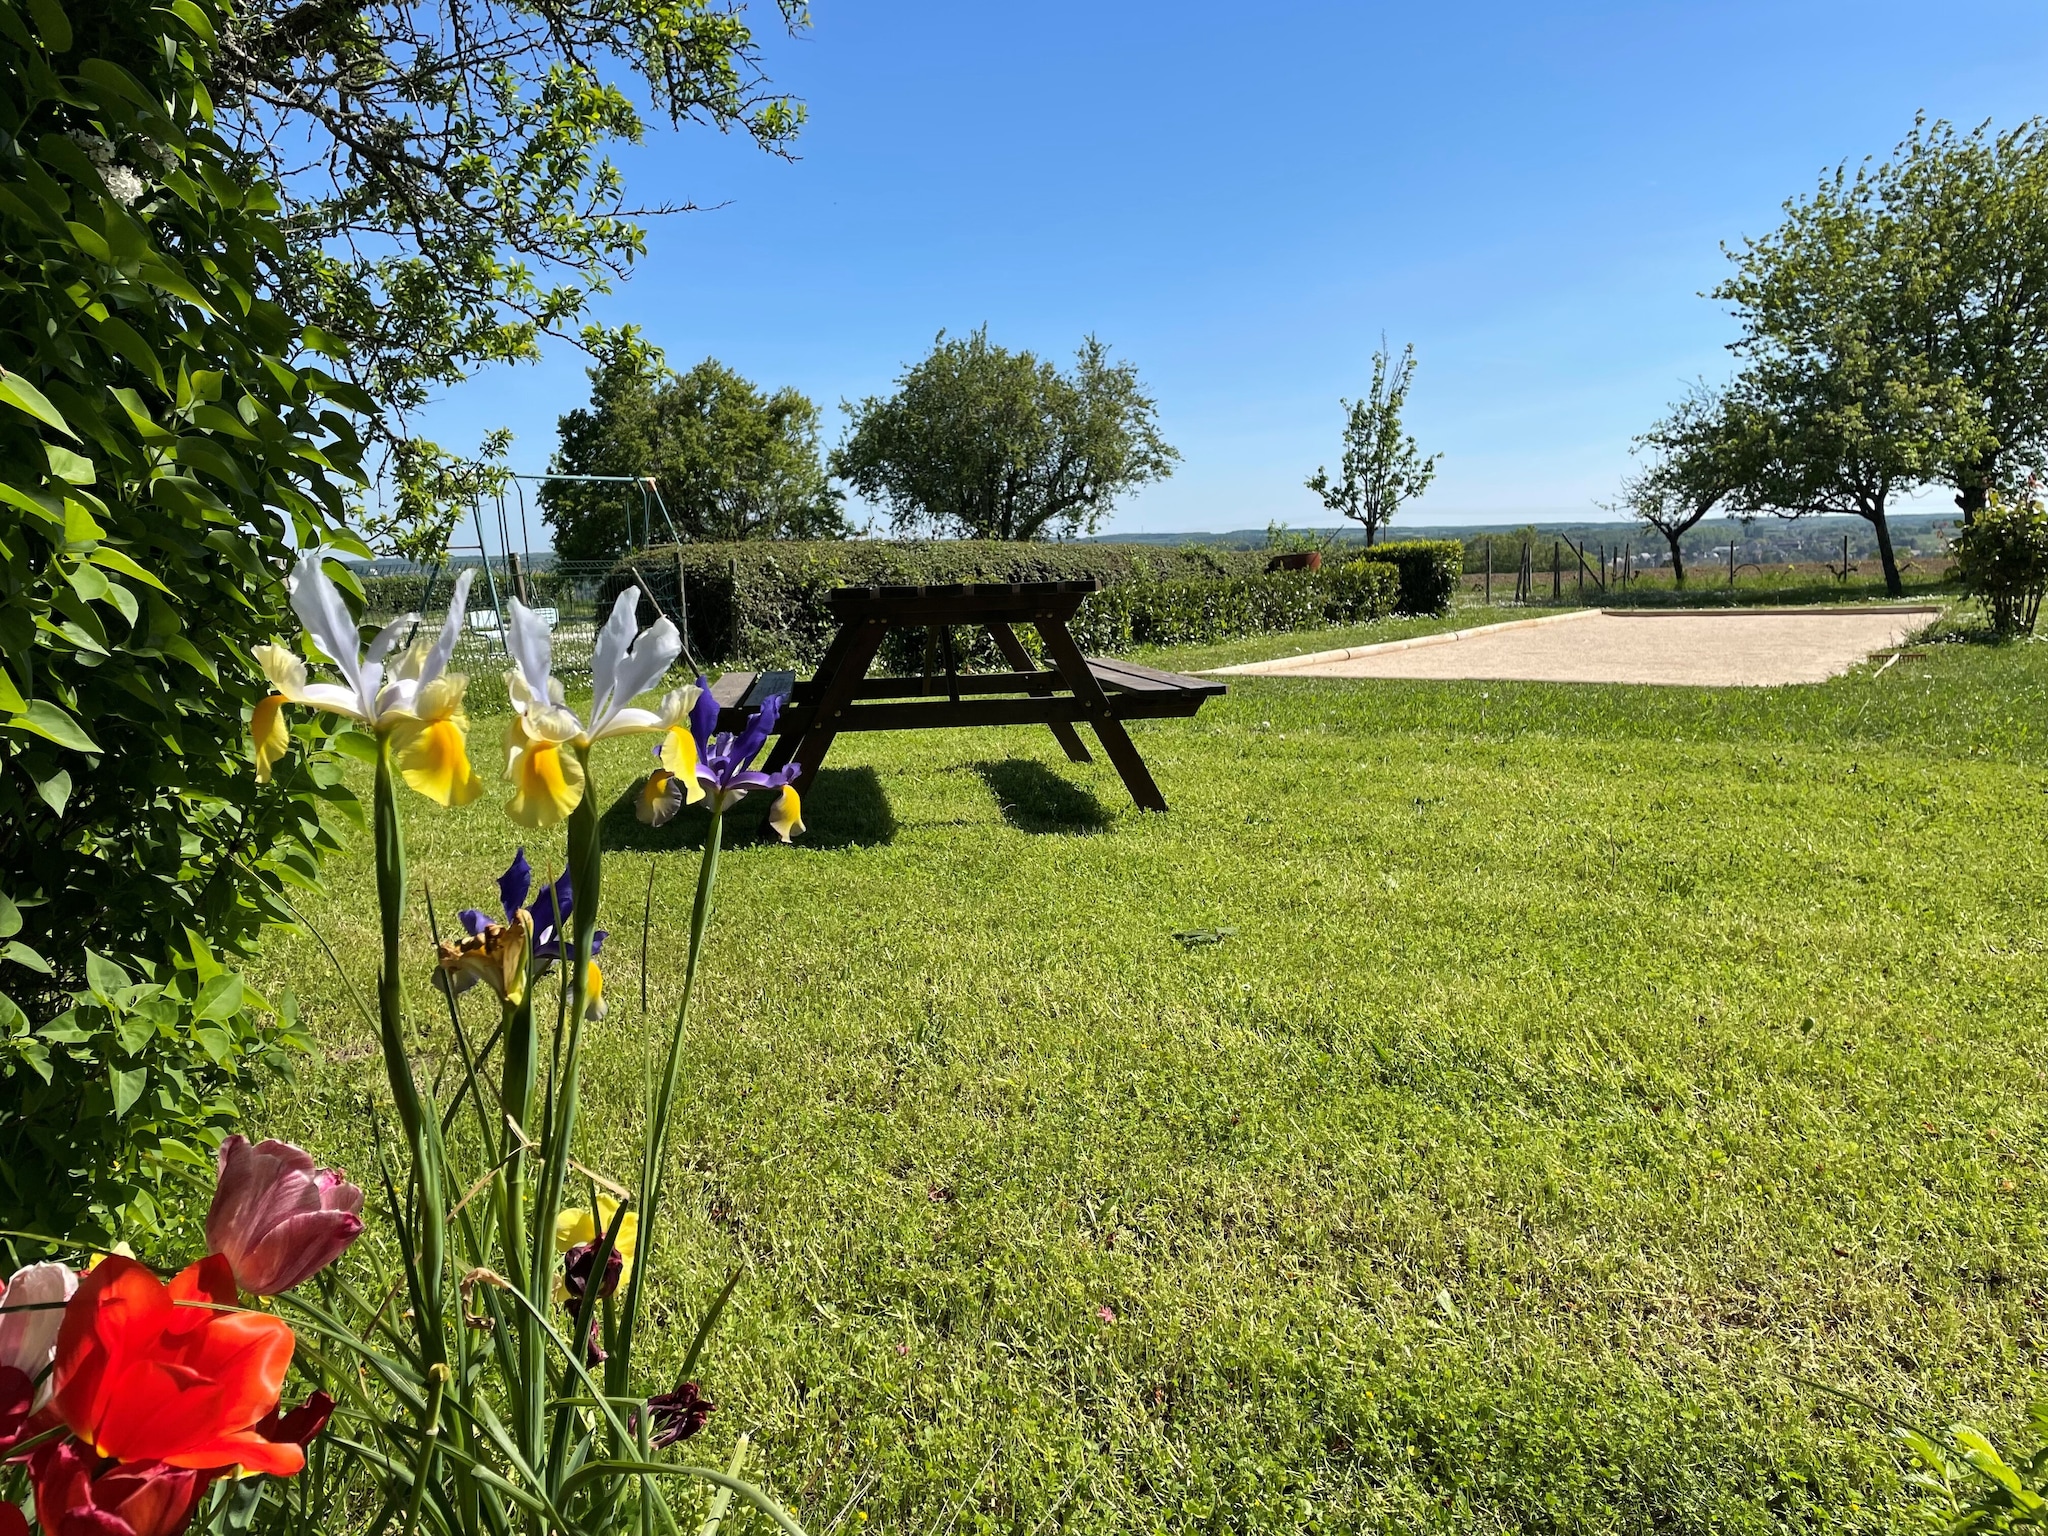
(566, 595)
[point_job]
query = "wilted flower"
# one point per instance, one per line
(701, 760)
(547, 784)
(679, 1414)
(577, 1265)
(276, 1218)
(577, 1228)
(495, 955)
(419, 704)
(31, 1311)
(498, 953)
(78, 1491)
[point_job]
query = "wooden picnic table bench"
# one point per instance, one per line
(1070, 690)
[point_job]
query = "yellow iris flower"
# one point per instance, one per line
(271, 735)
(548, 783)
(416, 703)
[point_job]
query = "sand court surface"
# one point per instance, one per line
(1717, 648)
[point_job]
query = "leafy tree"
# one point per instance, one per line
(731, 462)
(1969, 214)
(161, 457)
(1851, 408)
(1701, 458)
(983, 443)
(448, 197)
(1382, 465)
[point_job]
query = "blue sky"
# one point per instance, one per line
(1241, 199)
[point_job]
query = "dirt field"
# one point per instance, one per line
(1717, 649)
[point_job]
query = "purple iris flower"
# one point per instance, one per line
(550, 912)
(703, 761)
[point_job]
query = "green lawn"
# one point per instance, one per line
(1590, 1072)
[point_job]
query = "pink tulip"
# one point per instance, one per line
(276, 1218)
(31, 1311)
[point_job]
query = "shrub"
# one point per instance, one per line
(159, 460)
(1429, 571)
(764, 602)
(1201, 612)
(2001, 558)
(132, 1078)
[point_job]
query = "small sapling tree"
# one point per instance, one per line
(1382, 466)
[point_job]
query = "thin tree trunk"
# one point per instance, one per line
(1677, 559)
(1893, 586)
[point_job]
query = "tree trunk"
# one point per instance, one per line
(1677, 559)
(1893, 586)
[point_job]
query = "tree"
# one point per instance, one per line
(1701, 458)
(731, 462)
(984, 443)
(1851, 407)
(1382, 465)
(1969, 213)
(448, 199)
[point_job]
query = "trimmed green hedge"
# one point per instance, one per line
(763, 603)
(1202, 612)
(1429, 568)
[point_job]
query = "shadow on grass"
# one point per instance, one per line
(1034, 799)
(846, 808)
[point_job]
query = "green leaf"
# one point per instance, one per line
(103, 976)
(55, 792)
(23, 956)
(12, 1020)
(52, 25)
(127, 1087)
(66, 465)
(360, 745)
(10, 919)
(10, 696)
(114, 560)
(195, 18)
(53, 724)
(25, 397)
(220, 998)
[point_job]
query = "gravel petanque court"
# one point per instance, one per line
(1728, 648)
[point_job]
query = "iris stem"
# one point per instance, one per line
(413, 1112)
(652, 1156)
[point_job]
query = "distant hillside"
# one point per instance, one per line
(1765, 539)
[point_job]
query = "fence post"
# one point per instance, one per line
(1556, 570)
(518, 578)
(1489, 570)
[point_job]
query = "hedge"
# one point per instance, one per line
(1429, 568)
(1201, 612)
(764, 603)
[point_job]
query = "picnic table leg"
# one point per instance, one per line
(1116, 741)
(839, 675)
(1014, 653)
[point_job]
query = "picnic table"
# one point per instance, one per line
(1070, 690)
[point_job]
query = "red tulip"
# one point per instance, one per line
(80, 1494)
(174, 1373)
(277, 1218)
(12, 1521)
